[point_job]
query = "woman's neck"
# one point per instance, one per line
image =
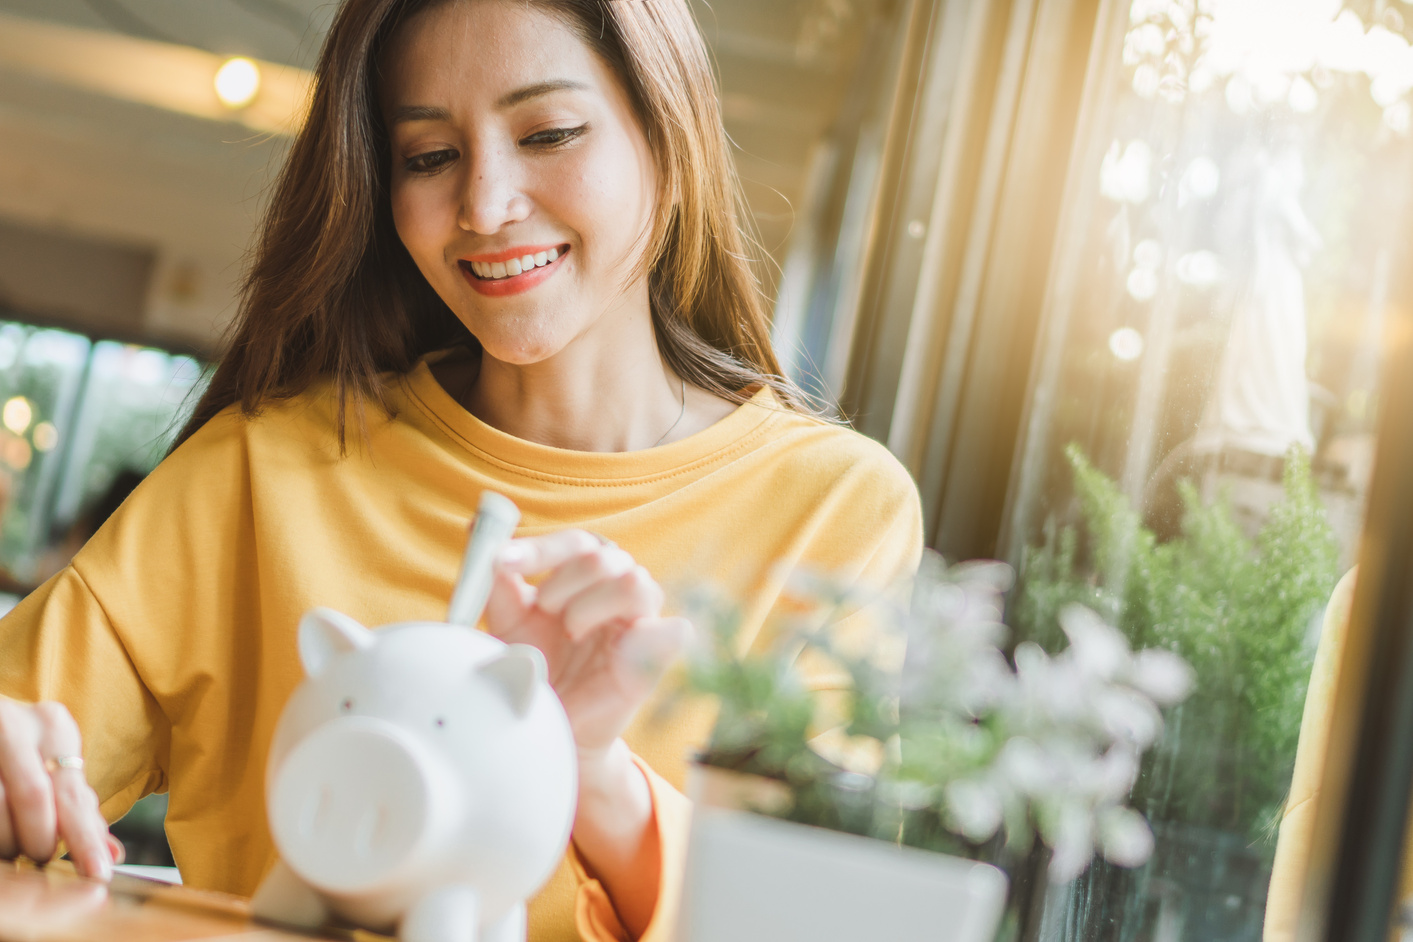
(626, 403)
(608, 390)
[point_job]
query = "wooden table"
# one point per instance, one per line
(54, 904)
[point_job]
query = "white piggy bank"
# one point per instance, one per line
(421, 781)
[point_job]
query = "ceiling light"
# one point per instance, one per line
(237, 82)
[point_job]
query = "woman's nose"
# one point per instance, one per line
(491, 196)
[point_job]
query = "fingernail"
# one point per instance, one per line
(102, 869)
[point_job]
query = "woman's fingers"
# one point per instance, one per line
(29, 793)
(77, 819)
(507, 605)
(44, 802)
(581, 573)
(589, 583)
(536, 554)
(624, 597)
(80, 824)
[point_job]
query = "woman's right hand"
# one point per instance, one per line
(44, 802)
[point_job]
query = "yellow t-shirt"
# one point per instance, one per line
(171, 637)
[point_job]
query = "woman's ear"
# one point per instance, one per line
(324, 634)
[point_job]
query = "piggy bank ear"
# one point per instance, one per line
(518, 672)
(325, 634)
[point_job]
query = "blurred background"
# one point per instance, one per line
(1112, 278)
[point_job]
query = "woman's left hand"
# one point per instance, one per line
(597, 617)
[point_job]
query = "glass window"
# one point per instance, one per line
(73, 415)
(1200, 432)
(131, 409)
(41, 372)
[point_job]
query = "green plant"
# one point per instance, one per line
(1238, 610)
(910, 724)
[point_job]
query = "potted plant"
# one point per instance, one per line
(910, 726)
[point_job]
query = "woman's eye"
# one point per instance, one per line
(430, 162)
(554, 137)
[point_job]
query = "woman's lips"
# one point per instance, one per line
(513, 284)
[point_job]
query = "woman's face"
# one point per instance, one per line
(515, 149)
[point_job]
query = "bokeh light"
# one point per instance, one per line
(17, 453)
(46, 437)
(1126, 344)
(17, 414)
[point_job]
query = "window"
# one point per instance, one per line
(76, 413)
(1199, 432)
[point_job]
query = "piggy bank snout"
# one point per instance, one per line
(359, 804)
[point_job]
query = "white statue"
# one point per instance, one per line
(1261, 400)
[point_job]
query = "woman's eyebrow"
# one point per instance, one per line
(419, 113)
(509, 99)
(527, 92)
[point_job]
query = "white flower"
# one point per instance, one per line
(1113, 775)
(1027, 767)
(1128, 716)
(1124, 836)
(1162, 675)
(1099, 649)
(1031, 659)
(986, 683)
(1071, 836)
(975, 808)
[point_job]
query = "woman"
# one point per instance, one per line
(503, 254)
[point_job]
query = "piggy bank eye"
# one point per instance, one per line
(347, 705)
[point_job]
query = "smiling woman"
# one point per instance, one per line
(563, 126)
(505, 253)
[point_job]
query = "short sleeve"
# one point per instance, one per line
(59, 645)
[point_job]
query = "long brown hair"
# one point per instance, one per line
(332, 293)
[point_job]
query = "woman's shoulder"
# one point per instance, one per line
(814, 449)
(305, 423)
(849, 491)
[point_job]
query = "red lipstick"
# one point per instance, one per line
(485, 283)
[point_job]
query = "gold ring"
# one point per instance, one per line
(64, 762)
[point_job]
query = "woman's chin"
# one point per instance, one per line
(519, 352)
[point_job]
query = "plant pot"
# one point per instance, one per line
(751, 878)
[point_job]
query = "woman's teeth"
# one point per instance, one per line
(513, 267)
